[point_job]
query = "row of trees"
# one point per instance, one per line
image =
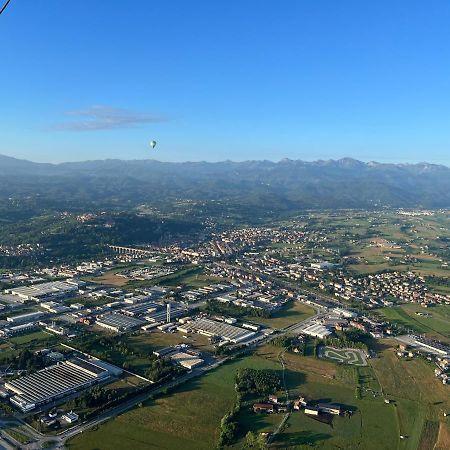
(247, 382)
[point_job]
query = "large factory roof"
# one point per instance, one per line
(225, 331)
(35, 291)
(118, 322)
(54, 382)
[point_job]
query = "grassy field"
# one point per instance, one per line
(190, 277)
(294, 312)
(37, 338)
(436, 326)
(145, 342)
(189, 417)
(110, 278)
(320, 380)
(418, 398)
(17, 435)
(32, 341)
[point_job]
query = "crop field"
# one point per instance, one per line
(410, 234)
(344, 355)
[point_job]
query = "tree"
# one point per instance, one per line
(250, 439)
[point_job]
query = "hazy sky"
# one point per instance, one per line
(225, 79)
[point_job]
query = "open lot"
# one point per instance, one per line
(292, 313)
(434, 321)
(190, 277)
(110, 278)
(133, 350)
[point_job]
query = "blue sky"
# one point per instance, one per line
(216, 80)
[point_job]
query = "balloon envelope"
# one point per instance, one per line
(152, 144)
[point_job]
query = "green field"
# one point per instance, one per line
(294, 312)
(418, 398)
(17, 435)
(189, 417)
(36, 340)
(320, 380)
(436, 326)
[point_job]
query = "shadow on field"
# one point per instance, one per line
(379, 346)
(191, 385)
(293, 378)
(300, 438)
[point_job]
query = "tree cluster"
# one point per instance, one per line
(163, 368)
(256, 381)
(218, 307)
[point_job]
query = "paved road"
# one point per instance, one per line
(286, 416)
(37, 439)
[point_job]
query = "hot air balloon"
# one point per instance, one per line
(152, 144)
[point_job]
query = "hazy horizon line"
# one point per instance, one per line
(350, 158)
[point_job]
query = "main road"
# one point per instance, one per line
(37, 439)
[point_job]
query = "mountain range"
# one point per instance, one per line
(284, 185)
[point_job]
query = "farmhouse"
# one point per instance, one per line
(263, 408)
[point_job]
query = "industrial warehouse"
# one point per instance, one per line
(118, 322)
(316, 330)
(226, 332)
(166, 313)
(44, 291)
(54, 382)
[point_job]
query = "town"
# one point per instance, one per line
(142, 320)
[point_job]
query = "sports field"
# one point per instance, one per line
(350, 356)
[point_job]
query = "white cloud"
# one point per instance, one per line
(102, 117)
